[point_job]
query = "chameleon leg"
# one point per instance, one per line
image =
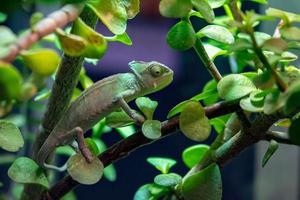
(134, 115)
(82, 147)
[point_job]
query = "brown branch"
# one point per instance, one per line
(59, 18)
(124, 147)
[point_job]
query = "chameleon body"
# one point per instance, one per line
(101, 99)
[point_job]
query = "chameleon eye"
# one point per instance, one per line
(156, 71)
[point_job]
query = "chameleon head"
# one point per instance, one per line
(152, 76)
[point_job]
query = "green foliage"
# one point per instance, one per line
(175, 8)
(162, 164)
(273, 146)
(167, 180)
(193, 122)
(42, 61)
(84, 172)
(235, 86)
(147, 106)
(152, 129)
(10, 137)
(193, 154)
(25, 170)
(203, 185)
(181, 36)
(204, 9)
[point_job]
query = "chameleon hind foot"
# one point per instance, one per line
(81, 144)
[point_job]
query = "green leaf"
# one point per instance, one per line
(235, 86)
(118, 119)
(43, 62)
(132, 8)
(152, 129)
(147, 106)
(277, 45)
(246, 105)
(126, 131)
(162, 164)
(193, 154)
(216, 3)
(35, 18)
(25, 170)
(290, 33)
(85, 81)
(65, 150)
(287, 17)
(218, 33)
(97, 44)
(90, 143)
(10, 136)
(174, 8)
(84, 172)
(7, 36)
(143, 193)
(42, 95)
(292, 102)
(99, 129)
(69, 196)
(167, 180)
(10, 82)
(72, 45)
(123, 38)
(294, 131)
(204, 9)
(210, 85)
(112, 13)
(110, 173)
(273, 102)
(203, 185)
(201, 96)
(213, 51)
(193, 122)
(3, 17)
(273, 146)
(181, 36)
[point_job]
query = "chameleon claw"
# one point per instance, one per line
(87, 155)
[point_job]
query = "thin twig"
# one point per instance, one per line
(59, 18)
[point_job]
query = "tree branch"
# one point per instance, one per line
(124, 147)
(59, 18)
(62, 90)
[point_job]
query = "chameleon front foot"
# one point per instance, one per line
(81, 144)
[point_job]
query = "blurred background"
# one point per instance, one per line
(243, 178)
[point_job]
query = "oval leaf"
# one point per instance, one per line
(167, 180)
(118, 119)
(112, 13)
(10, 82)
(84, 172)
(218, 33)
(71, 44)
(25, 170)
(193, 122)
(292, 102)
(43, 62)
(181, 36)
(152, 129)
(204, 9)
(193, 154)
(203, 185)
(10, 136)
(235, 86)
(174, 8)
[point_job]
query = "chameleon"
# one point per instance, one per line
(98, 101)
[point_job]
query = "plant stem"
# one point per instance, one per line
(208, 63)
(279, 81)
(62, 91)
(236, 12)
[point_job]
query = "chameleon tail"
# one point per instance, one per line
(48, 147)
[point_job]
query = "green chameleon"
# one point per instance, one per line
(101, 99)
